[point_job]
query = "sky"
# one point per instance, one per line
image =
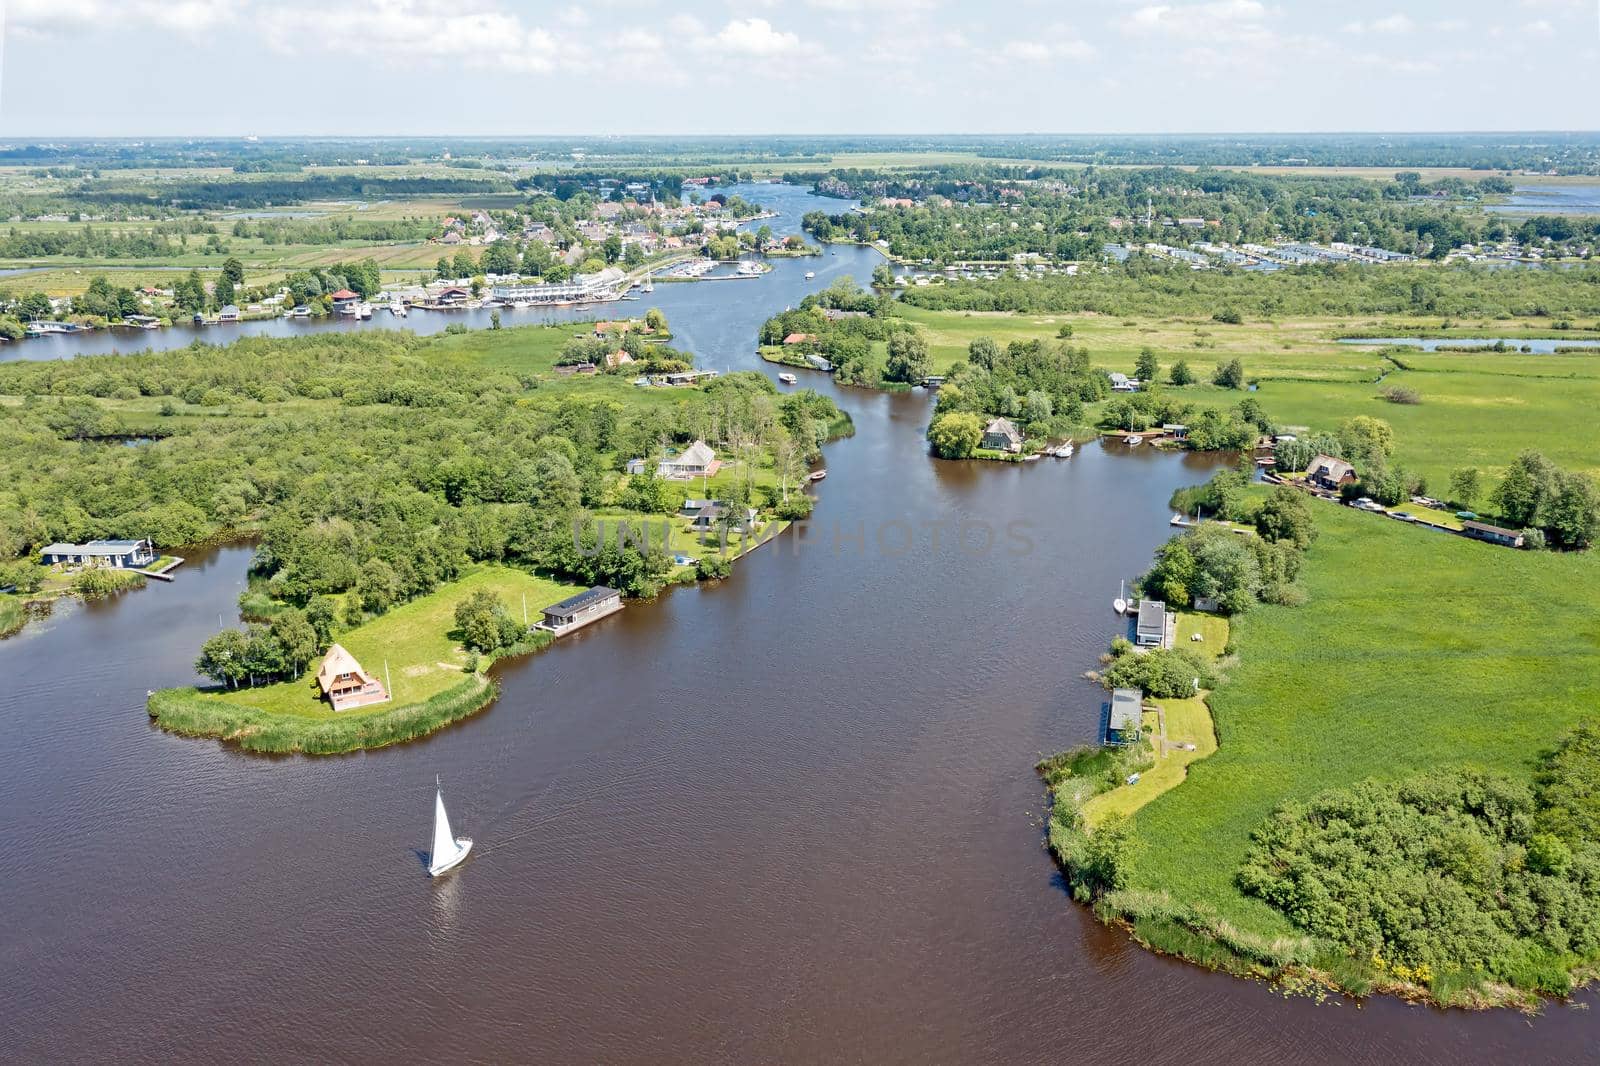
(528, 67)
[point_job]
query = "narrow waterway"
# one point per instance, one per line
(790, 817)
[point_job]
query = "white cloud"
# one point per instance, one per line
(404, 31)
(54, 17)
(1046, 51)
(1218, 21)
(753, 37)
(1538, 28)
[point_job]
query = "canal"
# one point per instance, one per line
(789, 817)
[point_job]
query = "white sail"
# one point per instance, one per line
(444, 844)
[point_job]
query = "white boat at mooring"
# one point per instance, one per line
(448, 850)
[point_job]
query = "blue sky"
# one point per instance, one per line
(521, 67)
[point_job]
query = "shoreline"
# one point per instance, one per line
(188, 711)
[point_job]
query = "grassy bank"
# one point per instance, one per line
(411, 648)
(1417, 653)
(12, 616)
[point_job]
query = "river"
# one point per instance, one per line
(789, 817)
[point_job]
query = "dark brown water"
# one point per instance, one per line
(787, 818)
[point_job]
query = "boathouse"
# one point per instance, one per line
(345, 684)
(575, 612)
(1509, 538)
(117, 554)
(344, 298)
(1127, 716)
(1002, 435)
(1151, 630)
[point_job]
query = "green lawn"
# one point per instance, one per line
(422, 658)
(1188, 721)
(1417, 651)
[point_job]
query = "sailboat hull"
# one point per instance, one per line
(463, 845)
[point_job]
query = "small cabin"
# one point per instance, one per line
(575, 612)
(1151, 629)
(345, 684)
(1509, 538)
(229, 313)
(1127, 716)
(116, 554)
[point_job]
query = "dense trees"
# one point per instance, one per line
(1535, 494)
(1042, 384)
(955, 434)
(390, 472)
(1212, 563)
(1457, 874)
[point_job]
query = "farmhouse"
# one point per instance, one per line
(345, 684)
(1002, 435)
(799, 338)
(575, 612)
(1127, 716)
(117, 554)
(1510, 538)
(1326, 472)
(1123, 383)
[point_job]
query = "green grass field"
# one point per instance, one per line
(1418, 651)
(1478, 409)
(413, 640)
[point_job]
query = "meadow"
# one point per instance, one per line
(1477, 409)
(1417, 652)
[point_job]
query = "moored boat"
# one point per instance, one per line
(787, 378)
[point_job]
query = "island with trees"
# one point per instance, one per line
(386, 480)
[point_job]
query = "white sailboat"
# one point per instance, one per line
(1120, 605)
(448, 850)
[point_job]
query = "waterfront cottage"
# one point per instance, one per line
(1127, 716)
(574, 612)
(1326, 472)
(1002, 435)
(345, 684)
(694, 461)
(1509, 538)
(116, 554)
(1151, 630)
(344, 298)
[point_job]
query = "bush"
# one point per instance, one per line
(1159, 672)
(712, 566)
(1397, 394)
